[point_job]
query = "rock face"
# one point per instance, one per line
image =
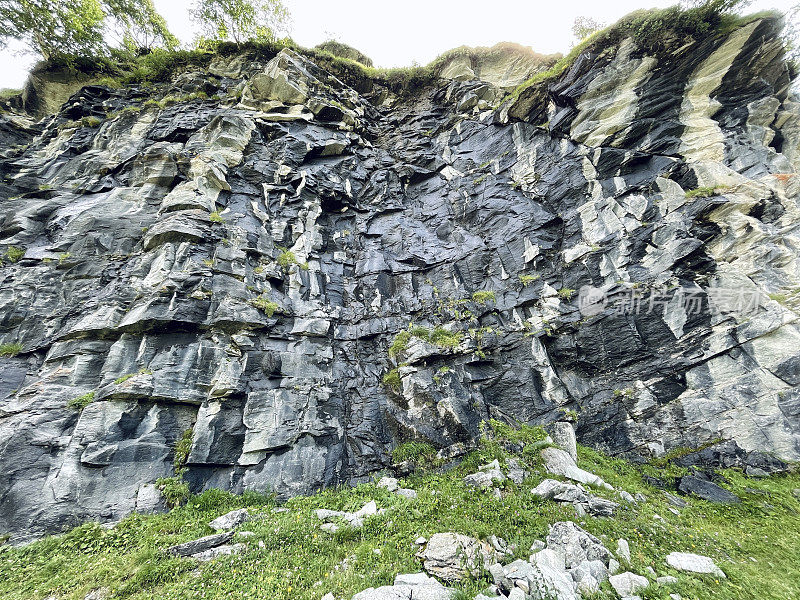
(239, 266)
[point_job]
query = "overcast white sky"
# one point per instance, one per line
(395, 34)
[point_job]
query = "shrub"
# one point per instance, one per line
(400, 343)
(482, 297)
(263, 303)
(416, 453)
(14, 254)
(174, 489)
(81, 402)
(445, 339)
(11, 349)
(566, 293)
(286, 259)
(392, 380)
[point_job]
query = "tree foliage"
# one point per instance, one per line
(240, 20)
(54, 28)
(583, 27)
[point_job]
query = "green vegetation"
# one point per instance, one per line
(445, 339)
(10, 349)
(240, 20)
(90, 121)
(526, 280)
(566, 293)
(400, 343)
(125, 378)
(482, 297)
(174, 489)
(215, 217)
(286, 258)
(341, 50)
(701, 192)
(392, 380)
(264, 304)
(14, 254)
(81, 402)
(417, 453)
(290, 558)
(64, 30)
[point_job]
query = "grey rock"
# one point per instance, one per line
(623, 550)
(452, 556)
(575, 544)
(129, 271)
(558, 462)
(627, 584)
(666, 580)
(707, 490)
(230, 520)
(600, 507)
(200, 545)
(390, 483)
(693, 563)
(406, 493)
(563, 435)
(216, 552)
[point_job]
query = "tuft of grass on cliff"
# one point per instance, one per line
(289, 557)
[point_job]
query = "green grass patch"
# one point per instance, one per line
(290, 558)
(10, 349)
(483, 296)
(14, 253)
(264, 304)
(81, 402)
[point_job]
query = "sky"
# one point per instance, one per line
(396, 34)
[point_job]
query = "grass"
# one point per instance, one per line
(526, 280)
(483, 296)
(10, 349)
(566, 293)
(264, 304)
(14, 253)
(81, 402)
(215, 217)
(290, 558)
(701, 192)
(286, 258)
(392, 380)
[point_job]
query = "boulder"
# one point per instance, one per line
(693, 563)
(389, 483)
(575, 544)
(452, 556)
(563, 434)
(200, 545)
(230, 520)
(486, 476)
(627, 584)
(623, 550)
(707, 490)
(558, 462)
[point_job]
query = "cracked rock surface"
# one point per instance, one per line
(238, 267)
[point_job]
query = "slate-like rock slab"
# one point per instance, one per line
(707, 490)
(693, 563)
(201, 544)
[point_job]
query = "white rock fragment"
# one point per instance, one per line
(693, 563)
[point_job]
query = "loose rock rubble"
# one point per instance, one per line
(353, 519)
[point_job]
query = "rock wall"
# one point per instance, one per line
(239, 266)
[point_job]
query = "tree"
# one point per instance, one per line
(583, 27)
(240, 20)
(140, 26)
(78, 27)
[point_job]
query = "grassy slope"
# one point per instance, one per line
(756, 543)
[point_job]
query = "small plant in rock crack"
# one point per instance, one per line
(81, 402)
(392, 380)
(14, 254)
(566, 293)
(11, 349)
(483, 296)
(174, 489)
(286, 258)
(216, 217)
(526, 280)
(264, 304)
